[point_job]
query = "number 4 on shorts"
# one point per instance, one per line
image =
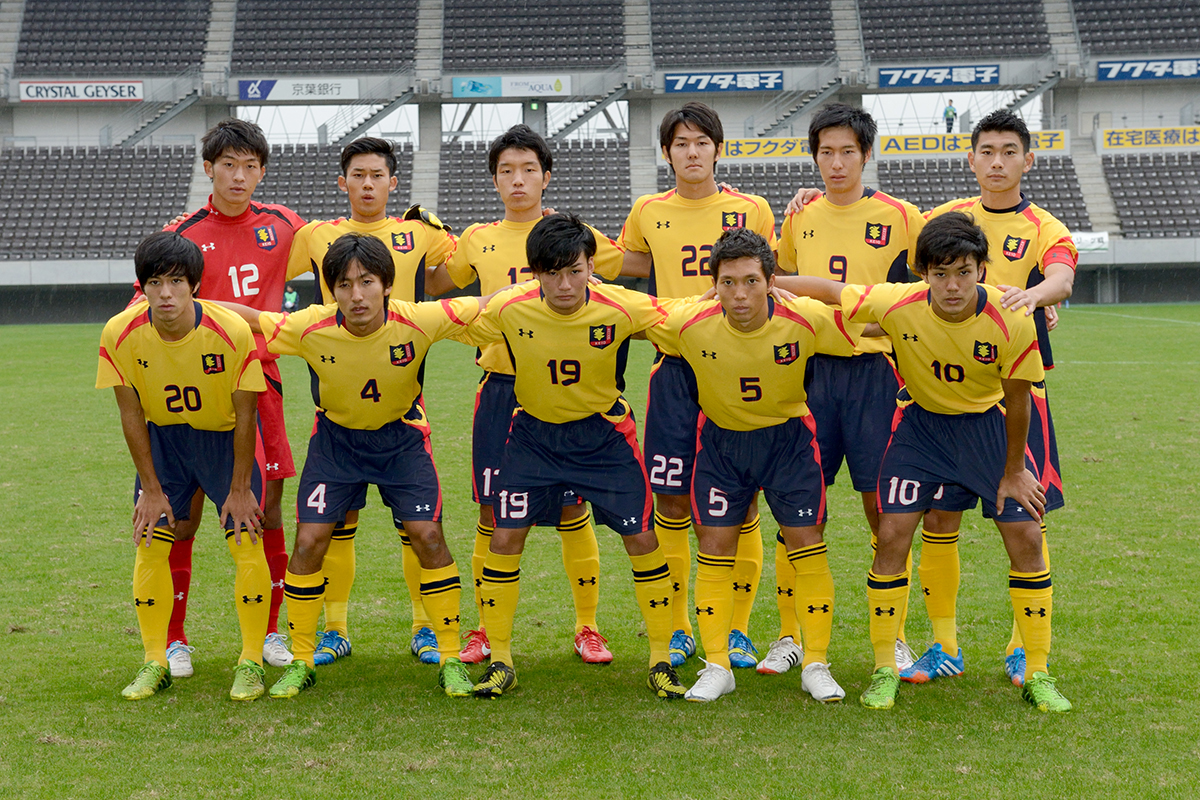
(317, 498)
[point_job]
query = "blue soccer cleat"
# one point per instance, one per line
(932, 665)
(1014, 667)
(742, 652)
(330, 648)
(424, 646)
(682, 646)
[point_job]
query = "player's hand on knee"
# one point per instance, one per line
(151, 506)
(1015, 298)
(1024, 489)
(241, 510)
(804, 196)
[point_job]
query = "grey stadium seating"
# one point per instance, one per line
(1157, 195)
(303, 177)
(1139, 26)
(952, 29)
(702, 33)
(525, 34)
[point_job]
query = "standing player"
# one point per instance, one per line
(573, 432)
(668, 237)
(852, 234)
(417, 242)
(520, 161)
(960, 354)
(186, 376)
(749, 354)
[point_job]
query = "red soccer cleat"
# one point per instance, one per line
(591, 646)
(477, 648)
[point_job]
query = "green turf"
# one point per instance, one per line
(1125, 554)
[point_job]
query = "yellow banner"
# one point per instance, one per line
(935, 143)
(1132, 138)
(793, 147)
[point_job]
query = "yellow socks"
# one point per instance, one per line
(939, 571)
(652, 585)
(154, 594)
(902, 606)
(581, 560)
(1032, 599)
(441, 593)
(338, 568)
(814, 600)
(714, 605)
(500, 590)
(412, 581)
(785, 592)
(304, 594)
(885, 593)
(251, 592)
(747, 569)
(1015, 640)
(677, 549)
(483, 541)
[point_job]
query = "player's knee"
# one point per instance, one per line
(486, 517)
(673, 506)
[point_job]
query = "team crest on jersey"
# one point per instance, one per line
(403, 242)
(986, 352)
(402, 354)
(733, 219)
(601, 335)
(265, 237)
(213, 363)
(878, 235)
(1014, 248)
(787, 353)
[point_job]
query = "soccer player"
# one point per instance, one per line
(959, 353)
(366, 353)
(668, 237)
(852, 234)
(417, 242)
(573, 432)
(186, 375)
(520, 162)
(749, 353)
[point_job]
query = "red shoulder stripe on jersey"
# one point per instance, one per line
(839, 319)
(1059, 254)
(958, 204)
(860, 301)
(316, 326)
(532, 294)
(104, 354)
(395, 317)
(134, 324)
(208, 322)
(1030, 215)
(199, 216)
(997, 317)
(893, 202)
(1033, 348)
(450, 312)
(249, 360)
(787, 313)
(920, 297)
(705, 314)
(750, 198)
(599, 298)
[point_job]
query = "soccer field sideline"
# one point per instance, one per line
(1123, 551)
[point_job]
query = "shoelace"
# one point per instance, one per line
(590, 635)
(741, 641)
(472, 634)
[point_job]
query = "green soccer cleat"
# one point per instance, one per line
(1043, 695)
(249, 681)
(149, 680)
(497, 680)
(881, 694)
(663, 681)
(455, 679)
(296, 678)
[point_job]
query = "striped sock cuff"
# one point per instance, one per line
(440, 580)
(779, 538)
(939, 538)
(820, 548)
(753, 526)
(720, 562)
(484, 530)
(571, 526)
(886, 581)
(1029, 580)
(666, 523)
(345, 533)
(304, 587)
(162, 535)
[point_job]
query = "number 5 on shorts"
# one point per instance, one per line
(718, 506)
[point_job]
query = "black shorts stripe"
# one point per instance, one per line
(647, 575)
(444, 585)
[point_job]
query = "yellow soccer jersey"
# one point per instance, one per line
(950, 367)
(365, 382)
(679, 235)
(754, 380)
(412, 242)
(495, 253)
(567, 367)
(188, 382)
(872, 240)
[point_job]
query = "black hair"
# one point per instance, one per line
(520, 137)
(370, 253)
(738, 243)
(237, 135)
(557, 241)
(840, 115)
(697, 115)
(947, 238)
(370, 145)
(1002, 121)
(166, 254)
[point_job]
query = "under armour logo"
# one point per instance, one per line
(179, 596)
(631, 520)
(278, 585)
(741, 587)
(706, 610)
(1029, 612)
(808, 234)
(586, 581)
(273, 466)
(291, 627)
(523, 332)
(805, 512)
(662, 224)
(479, 582)
(656, 603)
(143, 362)
(425, 507)
(782, 591)
(150, 602)
(675, 587)
(447, 620)
(709, 354)
(824, 609)
(925, 590)
(909, 337)
(488, 603)
(258, 598)
(204, 248)
(328, 360)
(489, 248)
(879, 612)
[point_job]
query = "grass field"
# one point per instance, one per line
(1125, 395)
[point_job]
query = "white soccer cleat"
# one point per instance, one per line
(905, 657)
(179, 659)
(713, 682)
(818, 681)
(782, 655)
(275, 651)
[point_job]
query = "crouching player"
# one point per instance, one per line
(574, 431)
(959, 353)
(366, 354)
(749, 354)
(187, 376)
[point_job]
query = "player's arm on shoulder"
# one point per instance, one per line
(240, 504)
(823, 289)
(636, 264)
(610, 258)
(804, 196)
(438, 281)
(1018, 483)
(249, 315)
(152, 505)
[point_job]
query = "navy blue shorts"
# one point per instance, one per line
(947, 461)
(853, 401)
(784, 460)
(672, 414)
(397, 458)
(186, 459)
(596, 457)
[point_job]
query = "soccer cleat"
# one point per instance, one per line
(589, 644)
(782, 655)
(742, 652)
(330, 648)
(477, 649)
(905, 657)
(424, 646)
(295, 679)
(881, 694)
(149, 680)
(663, 681)
(249, 681)
(934, 663)
(817, 680)
(713, 682)
(1014, 666)
(454, 678)
(179, 659)
(1043, 695)
(683, 647)
(275, 651)
(497, 679)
